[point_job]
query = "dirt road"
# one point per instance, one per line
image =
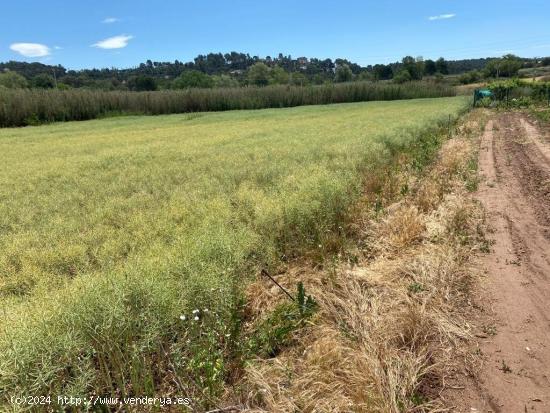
(514, 165)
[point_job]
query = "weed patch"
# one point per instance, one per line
(389, 319)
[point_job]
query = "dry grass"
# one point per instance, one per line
(387, 326)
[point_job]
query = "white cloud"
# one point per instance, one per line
(116, 42)
(30, 49)
(109, 20)
(57, 47)
(442, 16)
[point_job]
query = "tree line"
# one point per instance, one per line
(239, 69)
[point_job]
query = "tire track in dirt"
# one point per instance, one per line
(514, 166)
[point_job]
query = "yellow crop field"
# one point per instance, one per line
(113, 231)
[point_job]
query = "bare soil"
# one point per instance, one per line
(513, 306)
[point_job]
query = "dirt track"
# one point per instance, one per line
(515, 341)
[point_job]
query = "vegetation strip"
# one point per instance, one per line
(21, 107)
(390, 313)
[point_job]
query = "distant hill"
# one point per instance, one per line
(457, 67)
(233, 66)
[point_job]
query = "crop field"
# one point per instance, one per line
(113, 231)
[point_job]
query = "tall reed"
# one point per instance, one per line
(29, 107)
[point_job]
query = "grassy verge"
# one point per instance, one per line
(31, 107)
(127, 242)
(541, 114)
(389, 315)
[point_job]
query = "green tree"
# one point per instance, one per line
(343, 73)
(13, 80)
(225, 81)
(142, 83)
(420, 67)
(442, 66)
(43, 81)
(382, 72)
(63, 86)
(365, 76)
(193, 79)
(415, 67)
(258, 74)
(279, 76)
(470, 77)
(402, 76)
(506, 66)
(429, 67)
(298, 79)
(318, 79)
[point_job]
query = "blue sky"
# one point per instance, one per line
(123, 33)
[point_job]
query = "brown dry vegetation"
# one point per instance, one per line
(390, 313)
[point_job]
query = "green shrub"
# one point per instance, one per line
(142, 83)
(521, 102)
(275, 331)
(258, 74)
(343, 74)
(517, 92)
(13, 80)
(43, 81)
(402, 76)
(470, 77)
(193, 79)
(506, 66)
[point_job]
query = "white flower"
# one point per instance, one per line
(195, 311)
(183, 317)
(205, 310)
(196, 318)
